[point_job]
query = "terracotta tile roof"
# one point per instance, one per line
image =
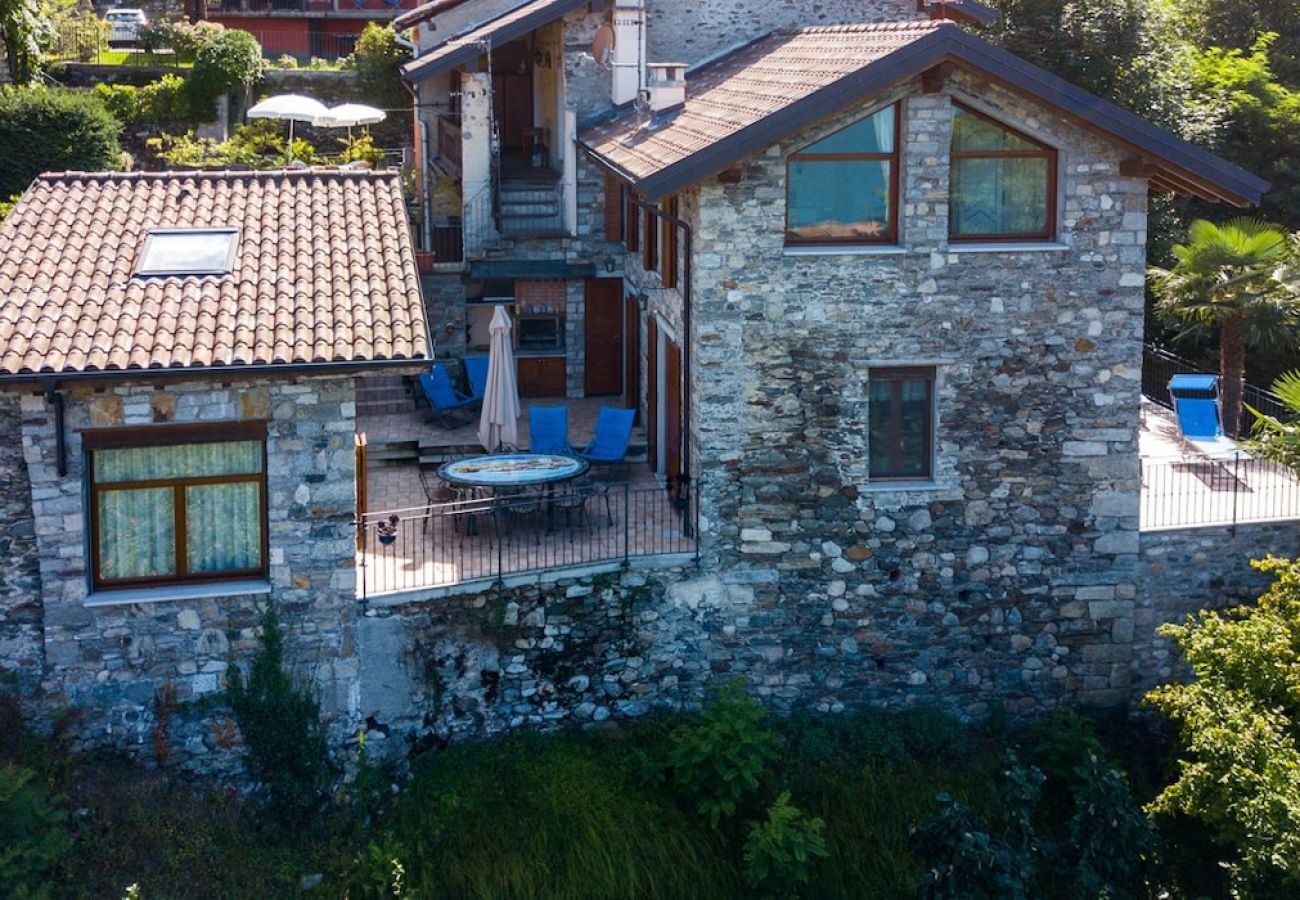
(785, 82)
(747, 86)
(323, 273)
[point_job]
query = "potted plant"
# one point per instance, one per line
(387, 530)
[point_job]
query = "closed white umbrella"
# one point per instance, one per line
(289, 107)
(499, 422)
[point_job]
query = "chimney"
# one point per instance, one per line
(628, 53)
(667, 86)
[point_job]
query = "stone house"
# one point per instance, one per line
(177, 362)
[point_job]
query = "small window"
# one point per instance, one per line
(177, 504)
(844, 188)
(188, 251)
(1003, 184)
(900, 421)
(668, 255)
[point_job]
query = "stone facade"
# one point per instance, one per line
(21, 645)
(116, 667)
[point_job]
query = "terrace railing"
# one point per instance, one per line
(1200, 491)
(487, 539)
(1159, 365)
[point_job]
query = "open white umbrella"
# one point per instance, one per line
(499, 422)
(289, 107)
(350, 115)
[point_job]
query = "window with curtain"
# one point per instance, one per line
(1003, 184)
(177, 504)
(900, 423)
(844, 188)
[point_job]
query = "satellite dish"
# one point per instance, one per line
(602, 46)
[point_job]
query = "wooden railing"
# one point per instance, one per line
(449, 144)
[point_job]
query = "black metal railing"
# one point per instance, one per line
(1202, 491)
(486, 538)
(1159, 365)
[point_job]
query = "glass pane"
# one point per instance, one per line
(223, 527)
(136, 537)
(998, 196)
(972, 132)
(880, 441)
(191, 252)
(914, 460)
(838, 201)
(903, 453)
(874, 134)
(180, 461)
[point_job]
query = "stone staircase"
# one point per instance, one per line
(531, 207)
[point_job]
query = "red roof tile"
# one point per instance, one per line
(324, 272)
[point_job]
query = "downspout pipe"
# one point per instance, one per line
(54, 397)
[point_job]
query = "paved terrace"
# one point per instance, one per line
(633, 516)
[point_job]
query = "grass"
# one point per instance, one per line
(132, 58)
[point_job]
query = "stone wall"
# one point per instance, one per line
(107, 664)
(1187, 569)
(21, 644)
(1012, 576)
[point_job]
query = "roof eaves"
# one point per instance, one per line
(435, 63)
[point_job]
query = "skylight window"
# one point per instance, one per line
(188, 251)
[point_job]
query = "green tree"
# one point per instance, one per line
(227, 60)
(1239, 24)
(1239, 720)
(50, 130)
(20, 34)
(377, 59)
(1228, 279)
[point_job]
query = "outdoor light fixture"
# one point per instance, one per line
(609, 263)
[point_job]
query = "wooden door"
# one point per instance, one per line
(672, 412)
(631, 355)
(604, 337)
(513, 108)
(652, 392)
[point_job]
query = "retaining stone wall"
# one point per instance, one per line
(21, 643)
(106, 665)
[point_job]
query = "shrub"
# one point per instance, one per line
(1112, 843)
(1238, 720)
(160, 34)
(281, 725)
(717, 758)
(44, 130)
(229, 59)
(377, 59)
(160, 102)
(361, 149)
(186, 39)
(285, 61)
(32, 839)
(780, 853)
(259, 144)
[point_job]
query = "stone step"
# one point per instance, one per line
(529, 208)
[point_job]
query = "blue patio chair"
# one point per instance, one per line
(613, 434)
(476, 369)
(548, 429)
(1198, 416)
(444, 399)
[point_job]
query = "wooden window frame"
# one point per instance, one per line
(894, 159)
(650, 239)
(615, 208)
(94, 440)
(896, 375)
(631, 221)
(669, 251)
(1044, 151)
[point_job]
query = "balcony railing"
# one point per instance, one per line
(1200, 491)
(1159, 365)
(486, 539)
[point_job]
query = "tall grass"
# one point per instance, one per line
(549, 816)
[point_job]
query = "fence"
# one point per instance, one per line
(1158, 366)
(1201, 491)
(489, 538)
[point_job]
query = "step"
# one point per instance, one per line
(512, 210)
(531, 226)
(527, 196)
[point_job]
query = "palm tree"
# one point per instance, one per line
(1238, 279)
(1275, 437)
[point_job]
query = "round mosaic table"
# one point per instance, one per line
(506, 470)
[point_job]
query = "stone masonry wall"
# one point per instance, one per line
(1187, 569)
(21, 645)
(1013, 576)
(107, 664)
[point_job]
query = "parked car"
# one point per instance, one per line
(124, 26)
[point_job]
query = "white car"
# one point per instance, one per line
(124, 25)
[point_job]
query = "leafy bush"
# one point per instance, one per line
(780, 853)
(260, 144)
(286, 61)
(160, 34)
(1238, 720)
(362, 149)
(556, 816)
(281, 725)
(224, 61)
(32, 838)
(160, 102)
(48, 130)
(1112, 845)
(377, 59)
(717, 758)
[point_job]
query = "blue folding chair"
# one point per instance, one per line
(1198, 416)
(476, 371)
(548, 429)
(444, 399)
(613, 434)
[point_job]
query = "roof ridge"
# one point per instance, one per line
(215, 174)
(860, 27)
